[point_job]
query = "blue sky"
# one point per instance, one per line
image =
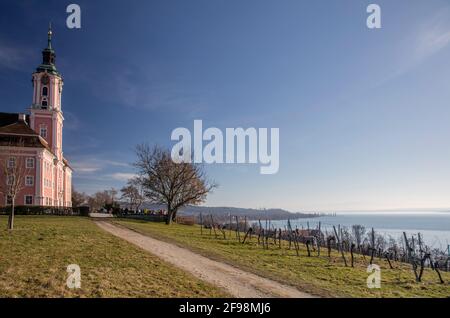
(363, 114)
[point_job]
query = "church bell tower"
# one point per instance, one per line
(46, 117)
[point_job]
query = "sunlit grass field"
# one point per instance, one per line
(320, 276)
(34, 259)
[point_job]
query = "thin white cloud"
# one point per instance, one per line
(433, 35)
(425, 40)
(85, 167)
(88, 164)
(91, 183)
(72, 122)
(114, 163)
(139, 88)
(122, 176)
(12, 57)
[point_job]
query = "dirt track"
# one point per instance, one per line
(237, 282)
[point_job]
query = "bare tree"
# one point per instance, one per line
(358, 232)
(78, 198)
(137, 182)
(129, 194)
(99, 200)
(112, 193)
(133, 193)
(12, 180)
(170, 183)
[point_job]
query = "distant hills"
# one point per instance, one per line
(224, 212)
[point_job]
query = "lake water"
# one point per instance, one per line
(433, 226)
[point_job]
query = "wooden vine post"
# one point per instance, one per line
(352, 247)
(319, 239)
(372, 249)
(339, 243)
(238, 233)
(410, 256)
(213, 226)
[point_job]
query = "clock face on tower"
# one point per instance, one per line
(45, 80)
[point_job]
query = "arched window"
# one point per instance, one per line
(44, 91)
(44, 104)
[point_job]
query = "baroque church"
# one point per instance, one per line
(32, 143)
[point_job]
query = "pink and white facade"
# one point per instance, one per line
(48, 177)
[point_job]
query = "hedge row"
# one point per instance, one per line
(146, 217)
(45, 210)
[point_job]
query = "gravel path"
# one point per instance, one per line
(237, 282)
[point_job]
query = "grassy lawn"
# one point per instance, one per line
(317, 275)
(34, 258)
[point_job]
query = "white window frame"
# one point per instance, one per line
(10, 179)
(41, 130)
(25, 199)
(30, 160)
(11, 162)
(29, 178)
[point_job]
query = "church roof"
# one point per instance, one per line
(16, 132)
(18, 128)
(10, 118)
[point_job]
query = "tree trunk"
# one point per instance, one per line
(319, 238)
(352, 247)
(171, 214)
(372, 254)
(11, 217)
(174, 216)
(279, 238)
(436, 268)
(329, 246)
